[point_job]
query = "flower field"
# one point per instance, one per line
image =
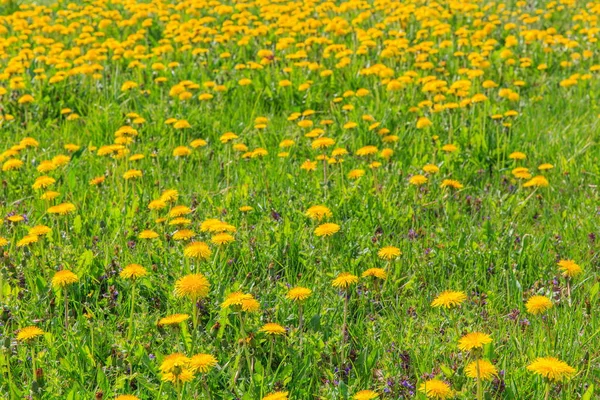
(271, 200)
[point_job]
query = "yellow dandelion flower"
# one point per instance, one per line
(62, 209)
(276, 396)
(148, 234)
(436, 389)
(552, 368)
(183, 234)
(222, 239)
(192, 286)
(132, 174)
(202, 363)
(417, 180)
(29, 333)
(487, 370)
(174, 319)
(133, 271)
(389, 253)
(27, 240)
(365, 395)
(449, 299)
(376, 273)
(327, 229)
(199, 250)
(537, 181)
(298, 293)
(272, 329)
(63, 278)
(474, 340)
(538, 305)
(344, 280)
(569, 268)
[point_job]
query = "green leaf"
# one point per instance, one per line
(446, 370)
(77, 224)
(594, 291)
(83, 263)
(588, 393)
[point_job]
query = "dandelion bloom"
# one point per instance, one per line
(538, 305)
(276, 396)
(174, 319)
(417, 180)
(545, 167)
(298, 293)
(169, 195)
(322, 143)
(551, 368)
(132, 174)
(222, 239)
(12, 164)
(449, 148)
(327, 229)
(318, 212)
(43, 182)
(192, 286)
(157, 204)
(451, 183)
(178, 211)
(133, 271)
(475, 340)
(183, 234)
(366, 151)
(241, 301)
(27, 240)
(388, 253)
(62, 209)
(202, 362)
(517, 155)
(487, 370)
(98, 180)
(436, 389)
(175, 368)
(431, 169)
(309, 165)
(127, 397)
(272, 329)
(449, 299)
(356, 173)
(63, 278)
(3, 242)
(376, 273)
(29, 333)
(148, 234)
(365, 395)
(537, 181)
(569, 268)
(181, 151)
(199, 250)
(344, 280)
(245, 209)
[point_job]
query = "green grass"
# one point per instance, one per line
(494, 239)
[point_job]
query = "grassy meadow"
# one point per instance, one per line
(272, 200)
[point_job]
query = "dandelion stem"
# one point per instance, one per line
(569, 291)
(66, 307)
(245, 344)
(345, 327)
(206, 389)
(270, 355)
(131, 311)
(547, 390)
(33, 363)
